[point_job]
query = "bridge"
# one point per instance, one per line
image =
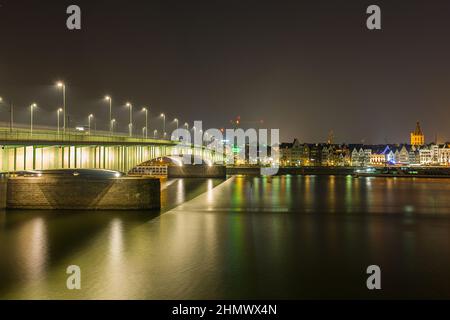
(47, 149)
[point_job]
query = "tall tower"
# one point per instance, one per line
(417, 137)
(330, 139)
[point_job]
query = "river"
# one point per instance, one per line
(292, 237)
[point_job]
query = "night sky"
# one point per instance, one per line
(306, 67)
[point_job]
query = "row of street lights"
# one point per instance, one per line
(112, 121)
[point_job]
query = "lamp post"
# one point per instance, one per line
(63, 87)
(176, 121)
(57, 116)
(130, 125)
(89, 122)
(146, 120)
(32, 107)
(155, 132)
(113, 122)
(164, 124)
(108, 98)
(186, 125)
(11, 113)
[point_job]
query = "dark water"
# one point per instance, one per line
(280, 237)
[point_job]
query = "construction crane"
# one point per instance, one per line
(237, 122)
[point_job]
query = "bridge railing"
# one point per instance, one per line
(39, 135)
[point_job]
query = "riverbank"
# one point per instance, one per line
(386, 172)
(256, 171)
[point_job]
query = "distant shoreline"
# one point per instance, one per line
(388, 172)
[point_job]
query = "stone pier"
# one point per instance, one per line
(82, 193)
(3, 186)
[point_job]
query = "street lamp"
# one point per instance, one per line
(108, 98)
(89, 122)
(186, 125)
(63, 87)
(176, 121)
(155, 132)
(146, 120)
(32, 107)
(57, 114)
(113, 122)
(11, 113)
(130, 125)
(164, 124)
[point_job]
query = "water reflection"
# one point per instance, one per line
(32, 248)
(247, 237)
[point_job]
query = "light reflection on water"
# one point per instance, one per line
(248, 237)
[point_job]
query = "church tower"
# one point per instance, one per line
(417, 137)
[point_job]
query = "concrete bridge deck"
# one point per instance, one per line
(47, 149)
(51, 137)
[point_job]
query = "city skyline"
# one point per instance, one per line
(281, 63)
(121, 111)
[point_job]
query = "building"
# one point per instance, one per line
(417, 137)
(361, 155)
(378, 157)
(291, 154)
(403, 155)
(444, 155)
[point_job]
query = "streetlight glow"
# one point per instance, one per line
(63, 87)
(91, 116)
(164, 124)
(57, 115)
(108, 98)
(144, 109)
(32, 107)
(130, 125)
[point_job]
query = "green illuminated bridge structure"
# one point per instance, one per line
(48, 149)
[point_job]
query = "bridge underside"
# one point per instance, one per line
(112, 157)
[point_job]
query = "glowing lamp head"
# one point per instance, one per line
(60, 110)
(107, 98)
(144, 109)
(60, 84)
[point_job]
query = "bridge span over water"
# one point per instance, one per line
(46, 149)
